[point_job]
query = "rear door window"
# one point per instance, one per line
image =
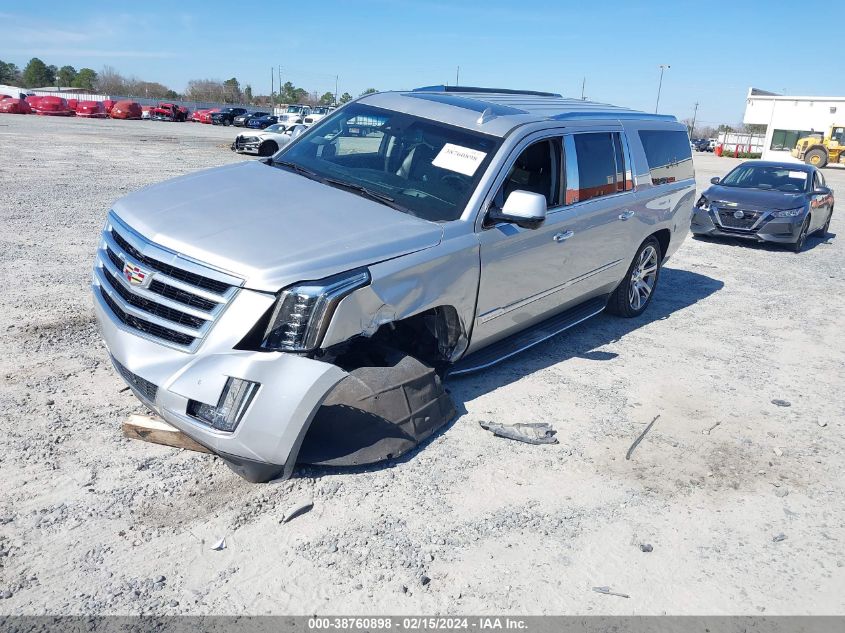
(668, 154)
(596, 165)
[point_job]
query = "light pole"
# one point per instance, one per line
(663, 67)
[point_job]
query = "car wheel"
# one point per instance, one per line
(227, 123)
(268, 148)
(798, 246)
(634, 293)
(816, 158)
(826, 228)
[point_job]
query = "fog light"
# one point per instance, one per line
(230, 409)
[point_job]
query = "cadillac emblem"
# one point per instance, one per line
(135, 275)
(739, 214)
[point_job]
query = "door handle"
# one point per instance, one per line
(626, 215)
(562, 237)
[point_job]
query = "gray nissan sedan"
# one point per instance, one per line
(766, 202)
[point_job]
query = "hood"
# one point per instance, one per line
(271, 227)
(755, 198)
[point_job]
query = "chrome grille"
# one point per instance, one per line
(155, 292)
(747, 221)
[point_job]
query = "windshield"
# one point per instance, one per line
(771, 177)
(275, 128)
(419, 166)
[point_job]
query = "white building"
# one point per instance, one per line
(789, 118)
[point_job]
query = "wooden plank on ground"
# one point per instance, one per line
(157, 431)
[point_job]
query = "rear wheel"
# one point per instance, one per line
(798, 246)
(227, 122)
(632, 296)
(816, 158)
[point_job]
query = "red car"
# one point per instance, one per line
(205, 117)
(53, 106)
(108, 104)
(32, 100)
(72, 103)
(196, 115)
(126, 110)
(10, 105)
(169, 112)
(91, 109)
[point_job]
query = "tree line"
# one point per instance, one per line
(37, 74)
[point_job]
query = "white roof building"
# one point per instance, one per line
(788, 118)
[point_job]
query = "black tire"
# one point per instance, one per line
(826, 228)
(227, 122)
(817, 155)
(622, 302)
(798, 246)
(268, 148)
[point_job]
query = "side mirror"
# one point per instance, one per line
(715, 180)
(523, 208)
(821, 191)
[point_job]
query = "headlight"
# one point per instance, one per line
(702, 204)
(303, 312)
(788, 213)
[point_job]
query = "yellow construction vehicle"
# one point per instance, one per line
(817, 151)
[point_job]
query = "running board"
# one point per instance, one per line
(521, 341)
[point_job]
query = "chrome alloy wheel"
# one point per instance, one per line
(643, 278)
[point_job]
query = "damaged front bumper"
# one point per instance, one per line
(265, 443)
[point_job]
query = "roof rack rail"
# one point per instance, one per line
(505, 91)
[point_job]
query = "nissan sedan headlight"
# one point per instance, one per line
(303, 312)
(788, 213)
(703, 204)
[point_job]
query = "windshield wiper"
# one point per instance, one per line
(364, 191)
(297, 168)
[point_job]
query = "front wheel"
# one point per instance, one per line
(816, 158)
(634, 293)
(268, 148)
(798, 246)
(826, 228)
(227, 123)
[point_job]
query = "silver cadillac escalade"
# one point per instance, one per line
(307, 306)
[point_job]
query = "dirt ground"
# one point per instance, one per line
(91, 523)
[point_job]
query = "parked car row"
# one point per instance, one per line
(58, 106)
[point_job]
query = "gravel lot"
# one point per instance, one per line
(93, 523)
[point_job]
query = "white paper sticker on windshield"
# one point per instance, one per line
(801, 175)
(460, 159)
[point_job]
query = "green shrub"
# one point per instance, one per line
(731, 154)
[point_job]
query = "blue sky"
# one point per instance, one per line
(716, 49)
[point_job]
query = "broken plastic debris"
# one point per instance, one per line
(531, 433)
(781, 403)
(780, 537)
(606, 591)
(221, 544)
(295, 510)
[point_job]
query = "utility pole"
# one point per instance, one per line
(458, 76)
(272, 87)
(280, 84)
(583, 84)
(335, 89)
(694, 114)
(663, 67)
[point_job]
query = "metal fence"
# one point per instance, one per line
(731, 141)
